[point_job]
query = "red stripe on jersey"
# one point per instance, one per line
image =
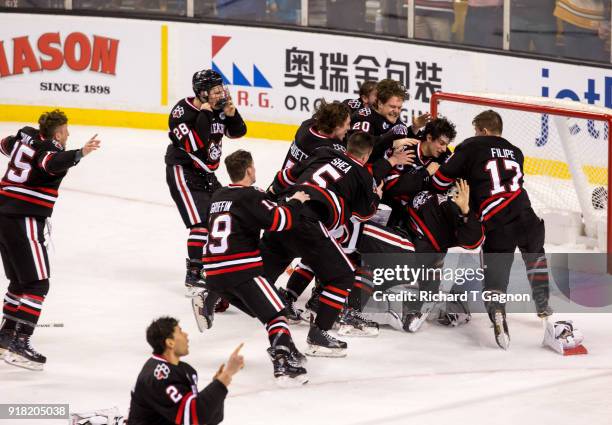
(29, 310)
(336, 290)
(275, 221)
(187, 146)
(501, 206)
(476, 245)
(11, 308)
(281, 180)
(26, 199)
(289, 219)
(197, 138)
(37, 248)
(391, 183)
(271, 294)
(424, 228)
(39, 189)
(194, 411)
(178, 420)
(330, 303)
(385, 235)
(192, 212)
(234, 269)
(304, 273)
(195, 243)
(443, 177)
(205, 231)
(279, 330)
(34, 297)
(232, 256)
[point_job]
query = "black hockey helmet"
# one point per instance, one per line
(205, 80)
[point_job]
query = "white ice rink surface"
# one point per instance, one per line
(118, 262)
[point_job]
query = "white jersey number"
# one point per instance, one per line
(20, 166)
(219, 233)
(492, 168)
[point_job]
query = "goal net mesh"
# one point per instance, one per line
(566, 157)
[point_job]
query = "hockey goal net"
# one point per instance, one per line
(567, 151)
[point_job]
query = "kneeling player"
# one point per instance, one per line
(166, 389)
(233, 263)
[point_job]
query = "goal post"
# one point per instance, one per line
(567, 149)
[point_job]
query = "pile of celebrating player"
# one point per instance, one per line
(323, 208)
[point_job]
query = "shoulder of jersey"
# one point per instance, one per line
(364, 112)
(181, 108)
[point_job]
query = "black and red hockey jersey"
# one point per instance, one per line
(404, 181)
(354, 104)
(35, 171)
(385, 132)
(306, 140)
(437, 219)
(340, 187)
(236, 216)
(493, 167)
(167, 394)
(197, 135)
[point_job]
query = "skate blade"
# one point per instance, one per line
(318, 351)
(416, 324)
(192, 291)
(197, 304)
(347, 330)
(19, 361)
(501, 336)
(291, 382)
(581, 349)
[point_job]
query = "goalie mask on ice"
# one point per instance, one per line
(564, 338)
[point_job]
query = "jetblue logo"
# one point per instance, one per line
(238, 76)
(591, 96)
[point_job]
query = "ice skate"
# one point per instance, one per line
(21, 353)
(203, 306)
(294, 314)
(322, 344)
(194, 280)
(286, 373)
(6, 336)
(353, 323)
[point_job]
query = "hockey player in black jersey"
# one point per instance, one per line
(382, 120)
(233, 262)
(341, 188)
(367, 97)
(38, 162)
(404, 181)
(166, 391)
(327, 127)
(197, 126)
(493, 167)
(438, 222)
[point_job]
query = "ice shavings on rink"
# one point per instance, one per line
(118, 262)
